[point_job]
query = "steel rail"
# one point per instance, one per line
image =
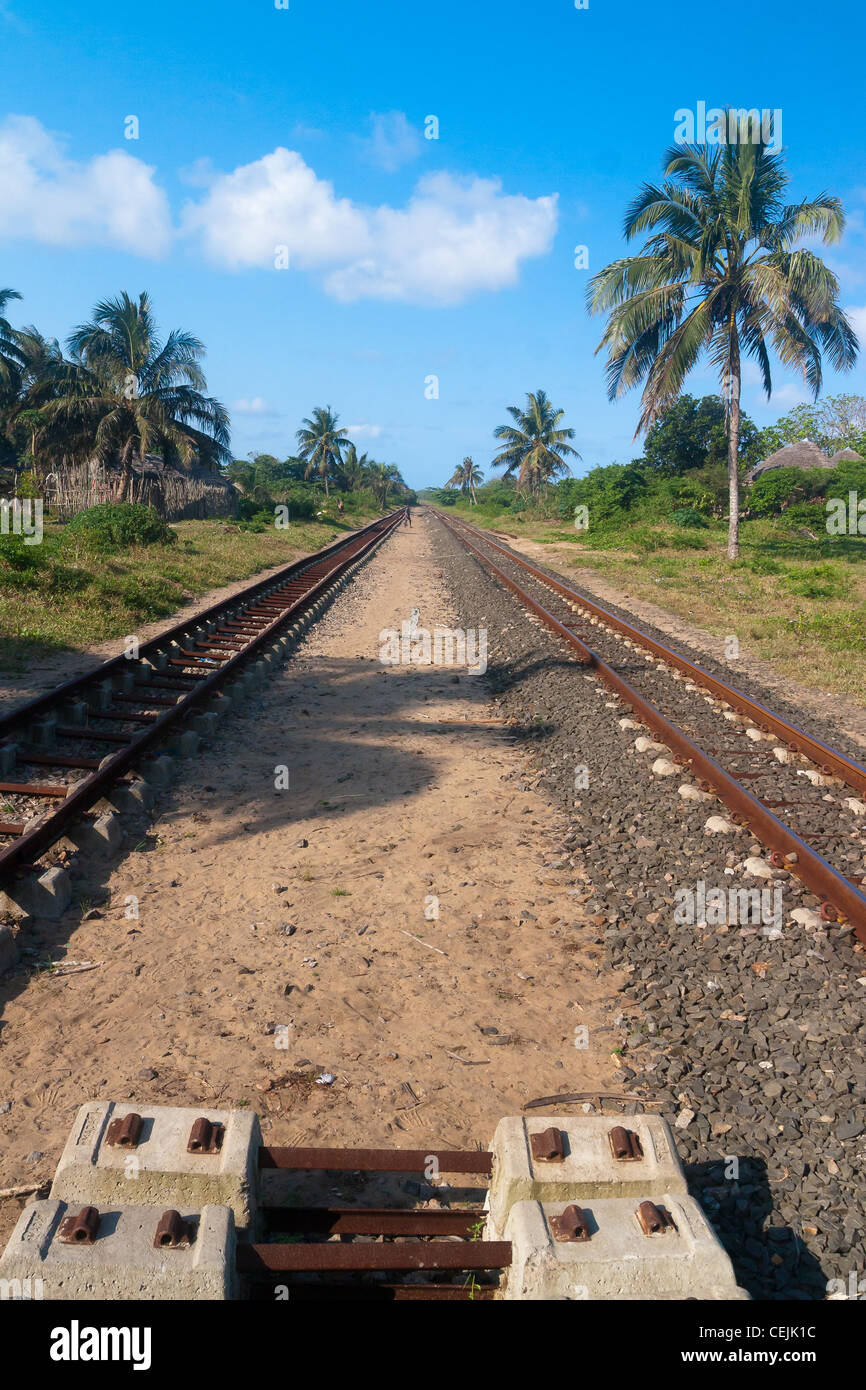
(841, 898)
(402, 1255)
(372, 1221)
(797, 740)
(376, 1160)
(49, 827)
(41, 704)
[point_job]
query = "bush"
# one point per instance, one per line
(817, 581)
(118, 525)
(687, 516)
(810, 514)
(775, 492)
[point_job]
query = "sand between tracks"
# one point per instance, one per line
(406, 788)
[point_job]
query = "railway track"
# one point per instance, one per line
(723, 736)
(61, 752)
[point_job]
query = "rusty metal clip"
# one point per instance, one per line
(571, 1225)
(125, 1133)
(172, 1232)
(205, 1137)
(81, 1229)
(625, 1145)
(548, 1146)
(654, 1221)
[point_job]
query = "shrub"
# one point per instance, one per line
(117, 525)
(811, 514)
(776, 491)
(817, 581)
(687, 516)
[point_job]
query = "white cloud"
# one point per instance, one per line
(363, 431)
(392, 141)
(857, 315)
(109, 200)
(251, 406)
(454, 237)
(790, 393)
(275, 201)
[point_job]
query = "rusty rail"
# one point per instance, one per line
(840, 898)
(307, 579)
(334, 1256)
(473, 1161)
(827, 759)
(373, 1221)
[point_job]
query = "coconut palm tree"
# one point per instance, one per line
(467, 477)
(41, 369)
(536, 446)
(127, 392)
(321, 444)
(383, 475)
(355, 468)
(722, 273)
(10, 352)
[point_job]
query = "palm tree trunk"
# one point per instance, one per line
(733, 459)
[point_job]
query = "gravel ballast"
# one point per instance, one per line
(751, 1043)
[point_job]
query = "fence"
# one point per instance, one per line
(176, 496)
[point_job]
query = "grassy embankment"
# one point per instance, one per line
(795, 601)
(63, 594)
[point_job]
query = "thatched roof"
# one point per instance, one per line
(804, 453)
(846, 456)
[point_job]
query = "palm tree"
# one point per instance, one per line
(127, 392)
(383, 475)
(356, 468)
(41, 370)
(10, 352)
(722, 273)
(535, 446)
(467, 477)
(322, 444)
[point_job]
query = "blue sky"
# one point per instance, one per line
(409, 257)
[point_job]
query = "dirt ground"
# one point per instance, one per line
(288, 955)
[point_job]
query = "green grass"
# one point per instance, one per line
(64, 594)
(796, 602)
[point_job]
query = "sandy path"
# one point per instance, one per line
(405, 788)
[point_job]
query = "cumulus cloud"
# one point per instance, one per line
(256, 405)
(363, 431)
(392, 141)
(454, 237)
(109, 200)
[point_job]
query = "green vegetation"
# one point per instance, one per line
(71, 591)
(117, 526)
(657, 528)
(722, 273)
(796, 596)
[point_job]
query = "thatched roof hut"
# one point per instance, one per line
(847, 456)
(804, 453)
